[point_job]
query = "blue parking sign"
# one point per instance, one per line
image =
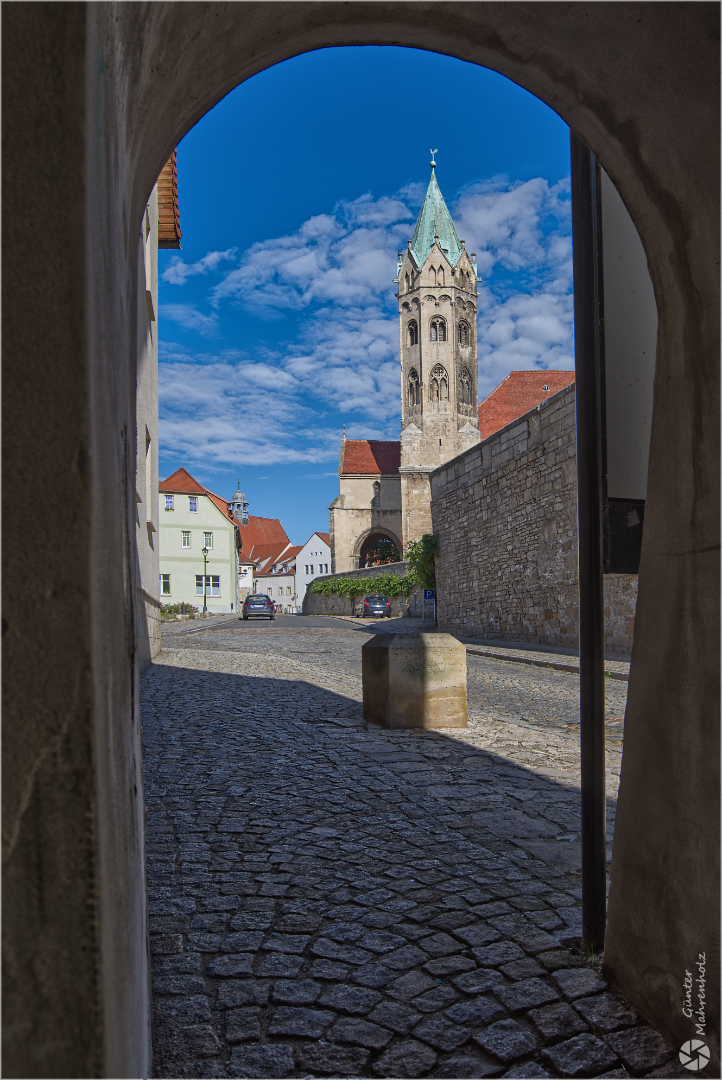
(429, 594)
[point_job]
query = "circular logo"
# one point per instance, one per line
(694, 1055)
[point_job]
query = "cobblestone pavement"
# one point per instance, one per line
(332, 899)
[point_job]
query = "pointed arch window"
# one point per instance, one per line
(413, 331)
(438, 330)
(465, 387)
(463, 333)
(407, 282)
(432, 271)
(439, 386)
(440, 276)
(414, 388)
(377, 494)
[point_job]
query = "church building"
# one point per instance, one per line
(385, 491)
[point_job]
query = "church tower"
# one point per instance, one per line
(437, 326)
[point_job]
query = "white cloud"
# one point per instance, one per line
(285, 404)
(178, 271)
(188, 316)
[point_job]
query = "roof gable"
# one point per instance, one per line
(369, 456)
(182, 481)
(517, 394)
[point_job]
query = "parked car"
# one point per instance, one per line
(377, 605)
(258, 604)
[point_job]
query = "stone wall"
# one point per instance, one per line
(506, 515)
(318, 604)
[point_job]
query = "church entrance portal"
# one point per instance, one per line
(378, 549)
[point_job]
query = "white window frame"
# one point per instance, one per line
(185, 535)
(165, 579)
(169, 502)
(208, 540)
(213, 582)
(192, 504)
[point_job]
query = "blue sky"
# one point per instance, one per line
(278, 321)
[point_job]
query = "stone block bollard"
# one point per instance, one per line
(414, 681)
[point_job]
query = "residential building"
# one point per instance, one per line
(160, 228)
(194, 519)
(313, 560)
(276, 577)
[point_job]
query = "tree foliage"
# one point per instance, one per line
(421, 561)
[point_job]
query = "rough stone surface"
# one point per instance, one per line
(525, 477)
(580, 1056)
(557, 1021)
(405, 1059)
(578, 982)
(641, 1047)
(607, 1012)
(359, 867)
(271, 1061)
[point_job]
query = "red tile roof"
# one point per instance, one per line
(169, 230)
(368, 456)
(258, 531)
(182, 481)
(517, 394)
(261, 531)
(326, 537)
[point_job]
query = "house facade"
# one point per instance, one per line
(192, 519)
(313, 560)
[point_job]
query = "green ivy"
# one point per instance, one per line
(420, 575)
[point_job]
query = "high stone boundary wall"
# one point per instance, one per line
(506, 515)
(335, 604)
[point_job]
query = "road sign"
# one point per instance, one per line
(429, 594)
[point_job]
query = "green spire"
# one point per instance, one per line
(433, 225)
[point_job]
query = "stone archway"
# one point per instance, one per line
(115, 87)
(369, 540)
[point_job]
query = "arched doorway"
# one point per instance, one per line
(127, 83)
(377, 548)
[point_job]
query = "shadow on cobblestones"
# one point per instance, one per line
(331, 900)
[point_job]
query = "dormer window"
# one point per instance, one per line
(413, 333)
(545, 387)
(438, 330)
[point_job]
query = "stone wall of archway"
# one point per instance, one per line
(114, 88)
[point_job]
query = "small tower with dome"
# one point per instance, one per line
(239, 506)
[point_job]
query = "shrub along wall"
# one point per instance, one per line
(315, 603)
(506, 515)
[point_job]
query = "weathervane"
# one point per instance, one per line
(433, 155)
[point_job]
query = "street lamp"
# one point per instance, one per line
(204, 553)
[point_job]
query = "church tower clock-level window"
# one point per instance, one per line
(438, 330)
(439, 388)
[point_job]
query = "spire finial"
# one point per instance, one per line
(433, 155)
(344, 430)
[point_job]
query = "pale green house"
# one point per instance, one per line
(191, 519)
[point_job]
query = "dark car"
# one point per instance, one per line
(257, 604)
(377, 605)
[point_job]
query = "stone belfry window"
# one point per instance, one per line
(414, 388)
(465, 387)
(413, 333)
(439, 385)
(463, 333)
(438, 330)
(377, 493)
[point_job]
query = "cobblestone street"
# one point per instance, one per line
(328, 899)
